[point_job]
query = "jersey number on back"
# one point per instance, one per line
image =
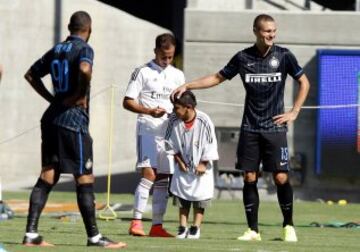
(60, 75)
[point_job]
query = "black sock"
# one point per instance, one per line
(285, 197)
(86, 203)
(251, 204)
(38, 198)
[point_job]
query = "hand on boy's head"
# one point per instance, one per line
(177, 93)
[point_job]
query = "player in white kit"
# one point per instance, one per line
(190, 137)
(148, 95)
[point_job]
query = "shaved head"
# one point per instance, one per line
(79, 22)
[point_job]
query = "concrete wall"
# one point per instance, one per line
(213, 37)
(120, 41)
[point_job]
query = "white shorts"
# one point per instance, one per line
(151, 153)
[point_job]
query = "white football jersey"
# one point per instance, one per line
(152, 85)
(194, 145)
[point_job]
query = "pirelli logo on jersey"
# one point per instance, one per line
(262, 78)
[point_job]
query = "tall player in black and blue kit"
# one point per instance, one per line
(263, 69)
(66, 143)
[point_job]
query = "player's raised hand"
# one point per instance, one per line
(287, 117)
(178, 92)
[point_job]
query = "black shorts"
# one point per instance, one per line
(270, 149)
(66, 150)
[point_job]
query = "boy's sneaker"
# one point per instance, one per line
(107, 243)
(194, 232)
(159, 231)
(182, 232)
(37, 241)
(136, 228)
(250, 235)
(290, 234)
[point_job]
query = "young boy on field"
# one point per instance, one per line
(190, 136)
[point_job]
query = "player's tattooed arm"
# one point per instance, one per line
(180, 162)
(38, 85)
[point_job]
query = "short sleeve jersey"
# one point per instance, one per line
(62, 62)
(194, 145)
(264, 82)
(152, 85)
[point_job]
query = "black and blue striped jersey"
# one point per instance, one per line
(264, 82)
(62, 63)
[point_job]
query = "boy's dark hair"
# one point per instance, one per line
(187, 99)
(164, 41)
(79, 21)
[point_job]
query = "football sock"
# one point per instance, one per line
(251, 204)
(159, 200)
(38, 198)
(32, 235)
(95, 238)
(86, 203)
(285, 197)
(141, 197)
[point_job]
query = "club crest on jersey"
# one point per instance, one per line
(274, 62)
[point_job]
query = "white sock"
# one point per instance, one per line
(141, 197)
(160, 199)
(95, 238)
(32, 235)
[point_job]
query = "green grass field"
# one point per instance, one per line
(224, 221)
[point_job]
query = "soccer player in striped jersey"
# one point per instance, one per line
(148, 95)
(190, 137)
(263, 69)
(66, 142)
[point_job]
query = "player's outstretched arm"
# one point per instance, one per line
(201, 83)
(38, 85)
(299, 101)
